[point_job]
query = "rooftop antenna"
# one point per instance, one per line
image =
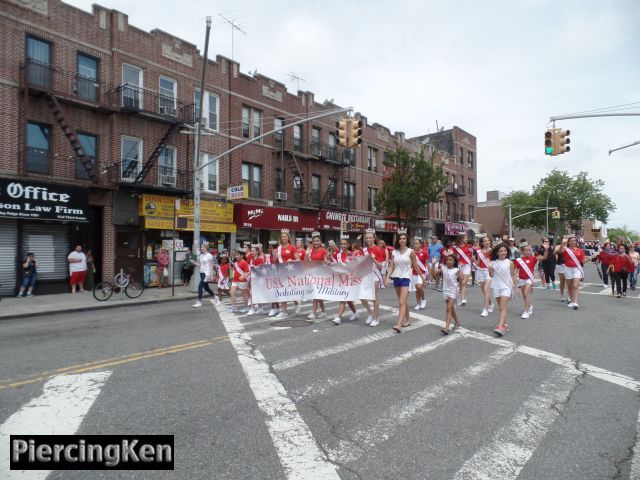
(234, 27)
(297, 79)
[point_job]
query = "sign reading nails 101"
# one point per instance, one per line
(39, 201)
(238, 191)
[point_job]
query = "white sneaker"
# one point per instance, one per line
(417, 307)
(273, 312)
(259, 310)
(215, 301)
(571, 305)
(353, 316)
(490, 309)
(484, 313)
(197, 304)
(374, 323)
(298, 307)
(423, 304)
(282, 315)
(337, 321)
(463, 302)
(251, 312)
(525, 315)
(530, 310)
(562, 299)
(311, 316)
(321, 315)
(576, 306)
(369, 320)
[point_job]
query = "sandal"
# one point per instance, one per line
(396, 329)
(444, 332)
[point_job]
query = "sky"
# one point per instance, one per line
(497, 69)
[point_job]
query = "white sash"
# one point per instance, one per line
(376, 270)
(463, 255)
(339, 257)
(482, 256)
(223, 282)
(279, 253)
(267, 259)
(421, 265)
(241, 272)
(452, 285)
(576, 261)
(506, 278)
(526, 268)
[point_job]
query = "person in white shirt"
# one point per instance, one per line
(77, 269)
(205, 264)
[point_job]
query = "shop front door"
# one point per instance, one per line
(128, 254)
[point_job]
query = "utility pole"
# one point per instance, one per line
(510, 220)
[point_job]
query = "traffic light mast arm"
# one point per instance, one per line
(591, 115)
(637, 142)
(534, 211)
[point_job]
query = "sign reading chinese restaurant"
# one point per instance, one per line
(238, 191)
(330, 220)
(158, 213)
(39, 201)
(451, 228)
(273, 218)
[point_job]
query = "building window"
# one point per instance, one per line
(279, 135)
(372, 159)
(39, 62)
(257, 123)
(348, 156)
(470, 159)
(297, 138)
(297, 189)
(89, 145)
(461, 186)
(167, 165)
(371, 198)
(252, 175)
(87, 77)
(251, 122)
(440, 207)
(472, 213)
(461, 160)
(349, 195)
(315, 189)
(453, 182)
(331, 189)
(471, 187)
(461, 214)
(209, 178)
(38, 147)
(211, 106)
(447, 212)
(132, 87)
(167, 99)
(131, 153)
(331, 150)
(279, 180)
(315, 142)
(246, 124)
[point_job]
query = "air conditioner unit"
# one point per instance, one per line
(333, 202)
(165, 110)
(169, 180)
(281, 196)
(445, 161)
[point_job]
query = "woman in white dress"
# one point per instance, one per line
(483, 255)
(503, 284)
(452, 279)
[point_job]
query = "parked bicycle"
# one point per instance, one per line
(122, 282)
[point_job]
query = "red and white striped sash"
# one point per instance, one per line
(576, 261)
(526, 268)
(462, 254)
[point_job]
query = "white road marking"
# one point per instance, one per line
(591, 370)
(384, 427)
(514, 444)
(297, 449)
(264, 331)
(320, 387)
(60, 409)
(635, 459)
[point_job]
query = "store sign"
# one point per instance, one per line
(238, 191)
(272, 218)
(330, 220)
(451, 228)
(386, 226)
(205, 226)
(39, 201)
(158, 212)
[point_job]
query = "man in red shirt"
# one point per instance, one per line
(573, 272)
(422, 259)
(240, 280)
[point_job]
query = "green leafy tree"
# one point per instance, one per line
(414, 181)
(577, 198)
(624, 233)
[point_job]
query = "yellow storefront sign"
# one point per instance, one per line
(158, 213)
(205, 226)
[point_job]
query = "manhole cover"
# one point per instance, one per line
(292, 323)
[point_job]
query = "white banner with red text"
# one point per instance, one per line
(286, 282)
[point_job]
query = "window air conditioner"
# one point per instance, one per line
(281, 196)
(333, 202)
(169, 180)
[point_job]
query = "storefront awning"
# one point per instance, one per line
(274, 218)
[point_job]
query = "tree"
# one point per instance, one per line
(414, 181)
(622, 233)
(577, 198)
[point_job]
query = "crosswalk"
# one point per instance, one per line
(319, 369)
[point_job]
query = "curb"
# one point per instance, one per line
(98, 306)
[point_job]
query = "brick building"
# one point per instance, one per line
(100, 113)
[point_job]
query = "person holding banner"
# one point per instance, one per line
(503, 284)
(269, 259)
(302, 251)
(257, 258)
(482, 275)
(526, 265)
(240, 281)
(451, 280)
(317, 253)
(283, 254)
(465, 260)
(422, 259)
(379, 258)
(344, 256)
(573, 272)
(402, 261)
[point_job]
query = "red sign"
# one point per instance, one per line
(330, 220)
(273, 218)
(386, 226)
(455, 228)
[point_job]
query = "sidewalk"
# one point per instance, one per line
(13, 307)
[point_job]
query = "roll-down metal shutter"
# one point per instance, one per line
(50, 244)
(8, 256)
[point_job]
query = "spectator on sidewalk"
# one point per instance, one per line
(89, 281)
(162, 258)
(77, 269)
(29, 275)
(190, 261)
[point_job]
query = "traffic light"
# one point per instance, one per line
(555, 214)
(548, 142)
(341, 133)
(562, 141)
(355, 133)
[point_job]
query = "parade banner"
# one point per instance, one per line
(286, 282)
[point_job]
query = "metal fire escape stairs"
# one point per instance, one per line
(148, 165)
(330, 199)
(294, 167)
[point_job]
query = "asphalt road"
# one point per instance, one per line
(557, 398)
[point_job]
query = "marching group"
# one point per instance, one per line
(502, 270)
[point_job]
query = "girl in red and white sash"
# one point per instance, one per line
(573, 272)
(422, 260)
(257, 259)
(465, 260)
(283, 254)
(401, 263)
(526, 266)
(240, 280)
(503, 284)
(382, 245)
(379, 258)
(451, 279)
(269, 259)
(483, 254)
(344, 256)
(317, 253)
(223, 275)
(302, 251)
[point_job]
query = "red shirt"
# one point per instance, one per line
(224, 268)
(530, 261)
(249, 257)
(467, 251)
(423, 256)
(621, 263)
(244, 266)
(288, 253)
(481, 263)
(343, 257)
(257, 261)
(358, 253)
(318, 254)
(301, 252)
(568, 262)
(378, 253)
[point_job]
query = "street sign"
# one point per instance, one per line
(238, 191)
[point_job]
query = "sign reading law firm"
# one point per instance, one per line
(39, 201)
